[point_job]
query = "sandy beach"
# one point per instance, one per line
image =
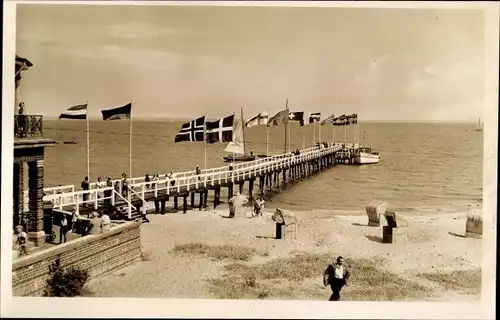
(201, 254)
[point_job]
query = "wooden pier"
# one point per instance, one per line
(188, 189)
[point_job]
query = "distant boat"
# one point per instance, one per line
(480, 125)
(365, 155)
(70, 141)
(237, 147)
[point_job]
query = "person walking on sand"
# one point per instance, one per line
(336, 275)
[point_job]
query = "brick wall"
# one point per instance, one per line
(99, 254)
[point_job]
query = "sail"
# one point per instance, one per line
(237, 145)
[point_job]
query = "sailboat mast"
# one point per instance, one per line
(286, 128)
(243, 132)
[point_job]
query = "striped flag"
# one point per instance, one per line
(314, 117)
(352, 119)
(330, 120)
(342, 120)
(124, 112)
(220, 130)
(260, 119)
(76, 112)
(279, 118)
(192, 131)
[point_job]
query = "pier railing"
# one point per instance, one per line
(138, 188)
(51, 192)
(28, 126)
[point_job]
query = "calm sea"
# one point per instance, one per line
(423, 166)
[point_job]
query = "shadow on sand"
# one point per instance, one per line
(456, 234)
(265, 237)
(359, 224)
(374, 238)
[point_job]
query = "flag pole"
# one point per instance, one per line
(345, 132)
(130, 143)
(314, 133)
(88, 141)
(267, 136)
(319, 132)
(286, 127)
(303, 139)
(205, 142)
(333, 134)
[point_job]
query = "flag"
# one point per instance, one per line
(342, 120)
(314, 117)
(279, 118)
(260, 119)
(297, 116)
(124, 112)
(21, 65)
(76, 112)
(192, 131)
(330, 120)
(220, 130)
(352, 119)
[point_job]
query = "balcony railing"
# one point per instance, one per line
(28, 126)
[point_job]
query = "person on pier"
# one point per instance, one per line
(124, 185)
(108, 193)
(63, 231)
(100, 185)
(198, 172)
(85, 187)
(147, 179)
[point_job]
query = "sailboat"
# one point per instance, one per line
(237, 147)
(479, 125)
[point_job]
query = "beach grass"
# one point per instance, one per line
(368, 282)
(217, 252)
(466, 281)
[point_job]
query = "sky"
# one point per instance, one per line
(182, 62)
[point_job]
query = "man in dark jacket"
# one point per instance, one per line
(336, 275)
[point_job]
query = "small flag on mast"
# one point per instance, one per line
(314, 117)
(192, 131)
(220, 130)
(119, 113)
(260, 119)
(330, 120)
(279, 118)
(78, 112)
(297, 116)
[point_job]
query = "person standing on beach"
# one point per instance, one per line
(336, 275)
(85, 187)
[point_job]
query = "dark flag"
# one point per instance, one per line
(21, 65)
(330, 120)
(220, 130)
(314, 117)
(353, 118)
(76, 112)
(124, 112)
(279, 118)
(297, 116)
(342, 120)
(192, 131)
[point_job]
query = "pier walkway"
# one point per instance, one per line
(268, 171)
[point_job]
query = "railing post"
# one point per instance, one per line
(129, 196)
(113, 196)
(77, 209)
(96, 201)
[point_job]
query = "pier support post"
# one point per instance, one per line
(157, 206)
(250, 189)
(192, 199)
(162, 206)
(230, 191)
(176, 203)
(241, 186)
(184, 203)
(284, 178)
(261, 185)
(201, 199)
(205, 198)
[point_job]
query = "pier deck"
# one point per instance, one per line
(268, 171)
